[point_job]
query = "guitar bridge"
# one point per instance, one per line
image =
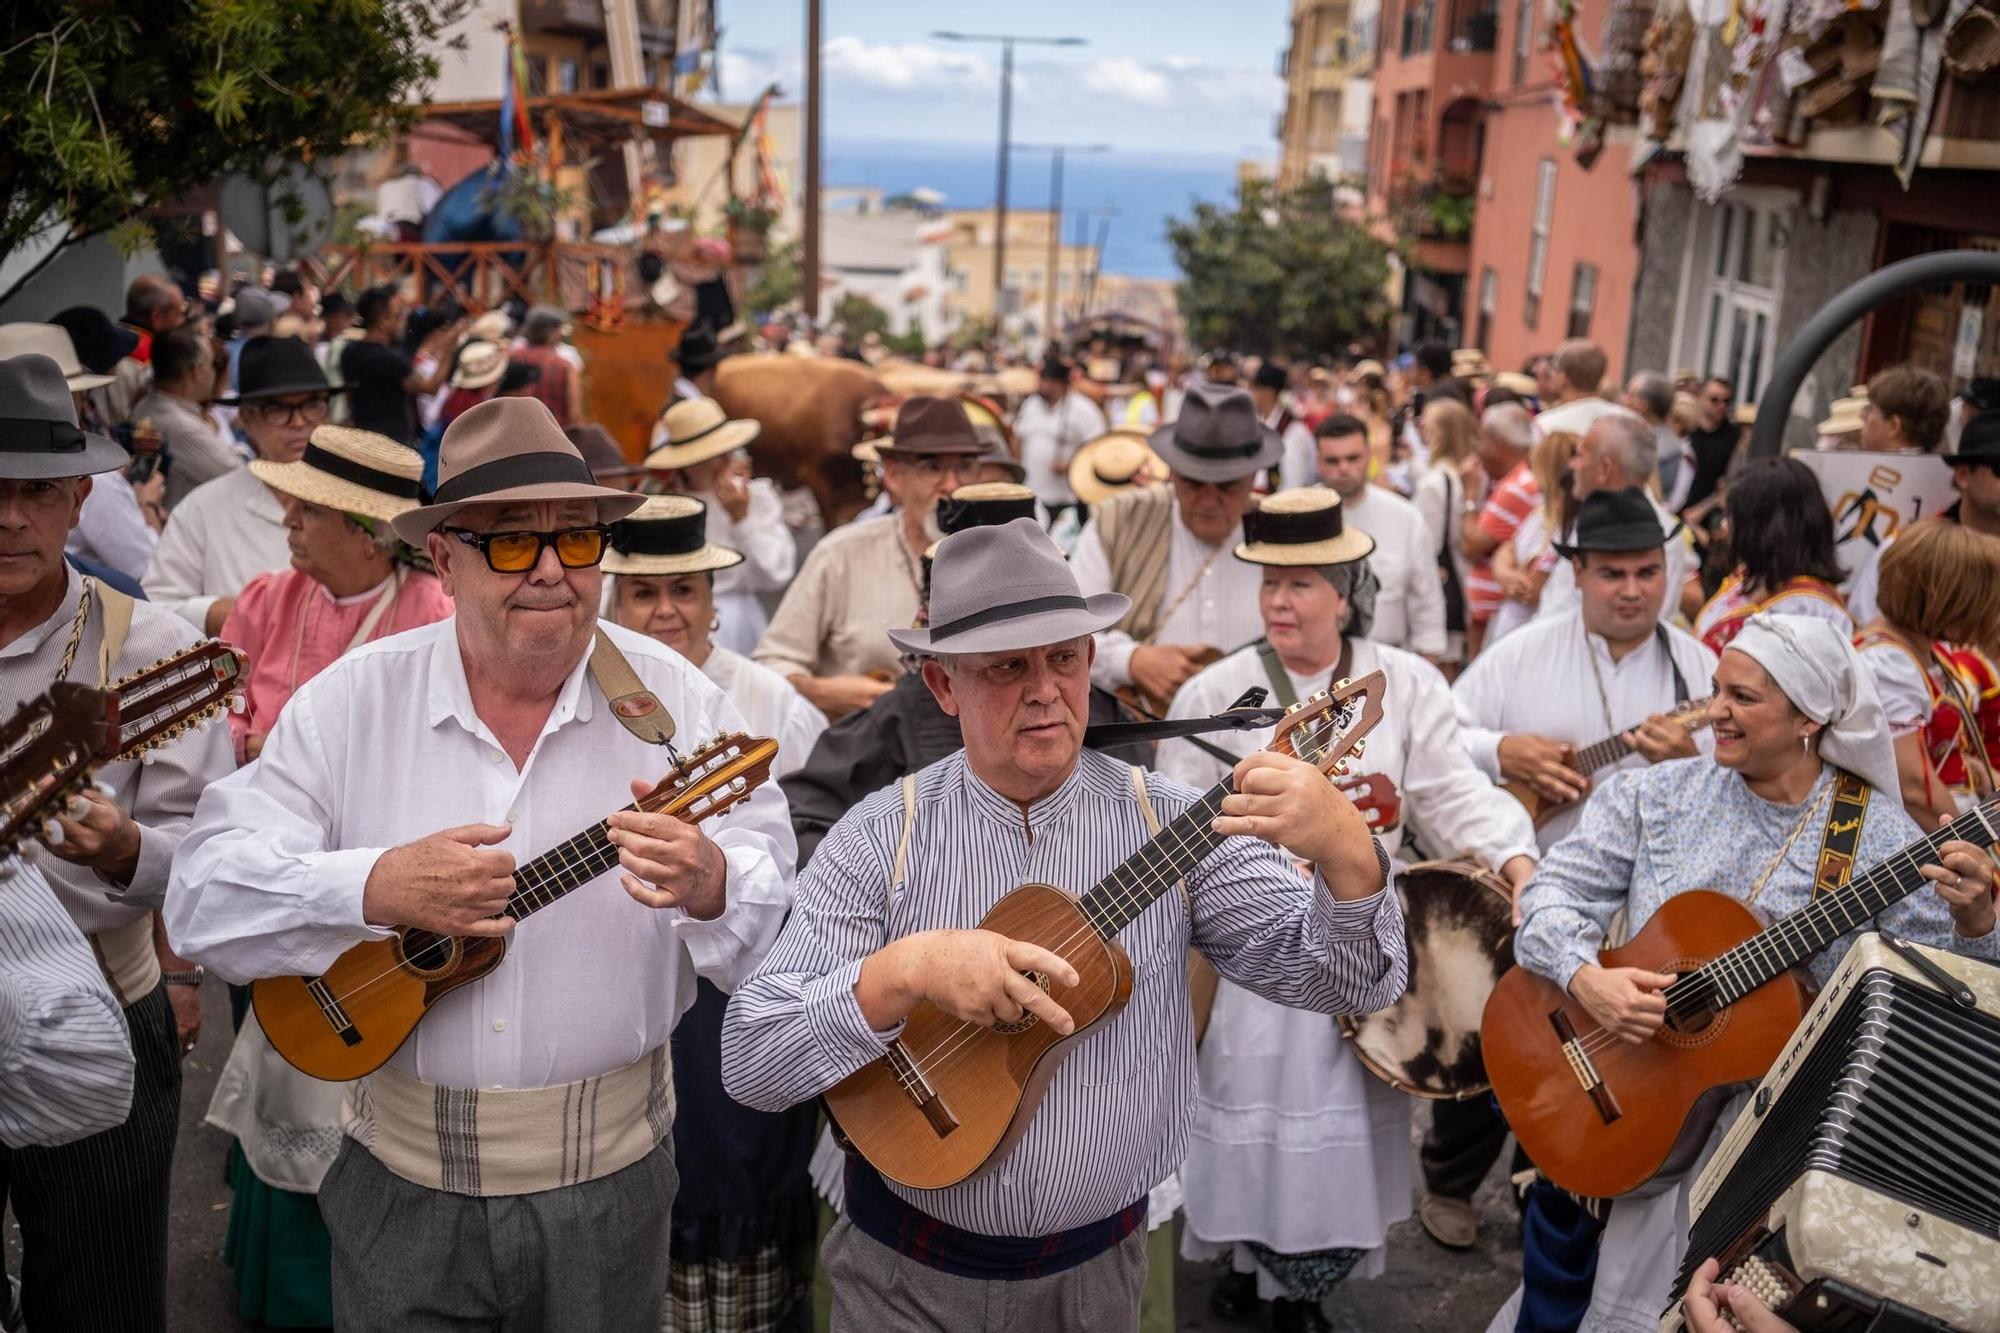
(919, 1090)
(330, 1008)
(1584, 1068)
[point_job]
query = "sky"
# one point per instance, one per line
(1156, 77)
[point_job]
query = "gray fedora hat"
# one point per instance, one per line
(997, 589)
(1217, 437)
(39, 437)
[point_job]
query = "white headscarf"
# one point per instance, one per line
(1819, 671)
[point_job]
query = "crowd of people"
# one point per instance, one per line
(1622, 659)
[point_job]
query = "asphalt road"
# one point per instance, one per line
(1425, 1288)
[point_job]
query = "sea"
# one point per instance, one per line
(1141, 191)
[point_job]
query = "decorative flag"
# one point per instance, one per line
(772, 187)
(517, 132)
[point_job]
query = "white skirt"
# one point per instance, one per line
(288, 1123)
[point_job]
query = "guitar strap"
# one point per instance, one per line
(1667, 647)
(1281, 682)
(1842, 833)
(637, 708)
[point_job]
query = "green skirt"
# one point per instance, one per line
(279, 1252)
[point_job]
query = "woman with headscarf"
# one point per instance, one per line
(1299, 1160)
(351, 582)
(1793, 711)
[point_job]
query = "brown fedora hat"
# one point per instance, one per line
(927, 425)
(509, 449)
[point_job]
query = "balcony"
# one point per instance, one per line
(577, 16)
(1431, 205)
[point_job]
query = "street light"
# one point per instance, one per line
(1056, 151)
(1007, 42)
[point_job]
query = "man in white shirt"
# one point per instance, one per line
(472, 1193)
(1616, 453)
(1300, 464)
(1051, 425)
(232, 529)
(1576, 372)
(1167, 549)
(1409, 609)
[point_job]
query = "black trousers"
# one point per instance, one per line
(1464, 1140)
(93, 1214)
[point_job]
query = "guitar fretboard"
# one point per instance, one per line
(1157, 866)
(568, 865)
(1604, 753)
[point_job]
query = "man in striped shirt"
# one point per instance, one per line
(1052, 1237)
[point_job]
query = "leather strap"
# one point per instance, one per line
(1842, 833)
(637, 708)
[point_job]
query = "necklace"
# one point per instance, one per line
(1806, 816)
(1597, 675)
(1160, 625)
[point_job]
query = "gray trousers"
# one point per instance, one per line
(876, 1290)
(590, 1258)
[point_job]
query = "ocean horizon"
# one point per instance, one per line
(1142, 189)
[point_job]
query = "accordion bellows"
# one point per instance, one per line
(1865, 1172)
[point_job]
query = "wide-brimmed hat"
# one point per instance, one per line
(480, 363)
(1469, 363)
(277, 368)
(698, 430)
(983, 504)
(1979, 442)
(927, 425)
(1218, 436)
(1001, 588)
(490, 327)
(668, 534)
(354, 471)
(100, 341)
(1115, 461)
(1515, 382)
(509, 449)
(1370, 366)
(39, 437)
(1844, 416)
(52, 341)
(697, 351)
(1615, 523)
(601, 452)
(1302, 526)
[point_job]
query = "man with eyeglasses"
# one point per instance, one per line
(230, 530)
(1713, 439)
(828, 636)
(401, 787)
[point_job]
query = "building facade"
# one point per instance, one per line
(892, 254)
(1315, 66)
(1020, 307)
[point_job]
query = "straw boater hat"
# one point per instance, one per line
(927, 425)
(998, 589)
(1301, 526)
(666, 535)
(1469, 363)
(52, 341)
(354, 471)
(480, 363)
(509, 449)
(1844, 417)
(490, 327)
(1515, 382)
(39, 437)
(1114, 462)
(1615, 522)
(698, 430)
(1218, 436)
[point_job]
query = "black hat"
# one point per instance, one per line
(983, 504)
(277, 368)
(698, 350)
(39, 437)
(1218, 436)
(1616, 522)
(1055, 368)
(1271, 375)
(1983, 393)
(100, 344)
(1979, 442)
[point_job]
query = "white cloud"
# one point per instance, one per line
(1129, 81)
(746, 73)
(904, 66)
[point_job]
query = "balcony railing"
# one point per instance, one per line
(562, 15)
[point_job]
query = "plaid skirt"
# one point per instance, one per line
(754, 1294)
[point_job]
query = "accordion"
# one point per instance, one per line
(1860, 1188)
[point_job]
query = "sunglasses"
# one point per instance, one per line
(519, 552)
(272, 413)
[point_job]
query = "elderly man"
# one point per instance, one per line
(1165, 549)
(1616, 453)
(500, 717)
(879, 931)
(1651, 395)
(154, 305)
(861, 580)
(229, 531)
(1409, 607)
(198, 447)
(108, 869)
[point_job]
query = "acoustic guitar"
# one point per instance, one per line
(347, 1021)
(1693, 716)
(1148, 708)
(949, 1099)
(1600, 1115)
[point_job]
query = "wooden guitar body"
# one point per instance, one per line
(345, 1023)
(1539, 809)
(1657, 1099)
(964, 1094)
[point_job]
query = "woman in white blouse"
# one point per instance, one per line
(1451, 433)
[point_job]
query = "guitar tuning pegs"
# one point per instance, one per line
(1293, 708)
(1342, 683)
(1360, 748)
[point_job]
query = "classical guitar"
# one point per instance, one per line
(50, 745)
(1600, 1115)
(1144, 705)
(1693, 716)
(950, 1098)
(347, 1021)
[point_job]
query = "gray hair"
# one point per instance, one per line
(1510, 424)
(1628, 441)
(1655, 393)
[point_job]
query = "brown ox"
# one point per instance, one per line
(810, 410)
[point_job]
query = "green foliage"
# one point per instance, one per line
(860, 316)
(1451, 214)
(111, 107)
(776, 284)
(1279, 273)
(747, 215)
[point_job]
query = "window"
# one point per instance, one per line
(1489, 297)
(1524, 38)
(1582, 299)
(566, 77)
(600, 74)
(1014, 278)
(1538, 240)
(1064, 283)
(1419, 20)
(1730, 326)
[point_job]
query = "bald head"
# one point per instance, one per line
(155, 304)
(1619, 450)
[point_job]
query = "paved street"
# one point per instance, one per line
(1425, 1288)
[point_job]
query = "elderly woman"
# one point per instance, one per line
(350, 582)
(1299, 1160)
(1795, 715)
(743, 1219)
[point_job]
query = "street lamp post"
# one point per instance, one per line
(1007, 42)
(1056, 152)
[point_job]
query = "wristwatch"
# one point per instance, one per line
(189, 978)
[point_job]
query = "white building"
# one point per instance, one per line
(892, 255)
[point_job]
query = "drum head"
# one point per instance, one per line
(1457, 921)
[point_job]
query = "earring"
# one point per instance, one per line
(1805, 742)
(715, 622)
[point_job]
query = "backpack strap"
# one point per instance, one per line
(1153, 825)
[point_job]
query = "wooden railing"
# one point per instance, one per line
(578, 276)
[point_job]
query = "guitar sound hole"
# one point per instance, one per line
(1690, 1022)
(428, 954)
(1027, 1018)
